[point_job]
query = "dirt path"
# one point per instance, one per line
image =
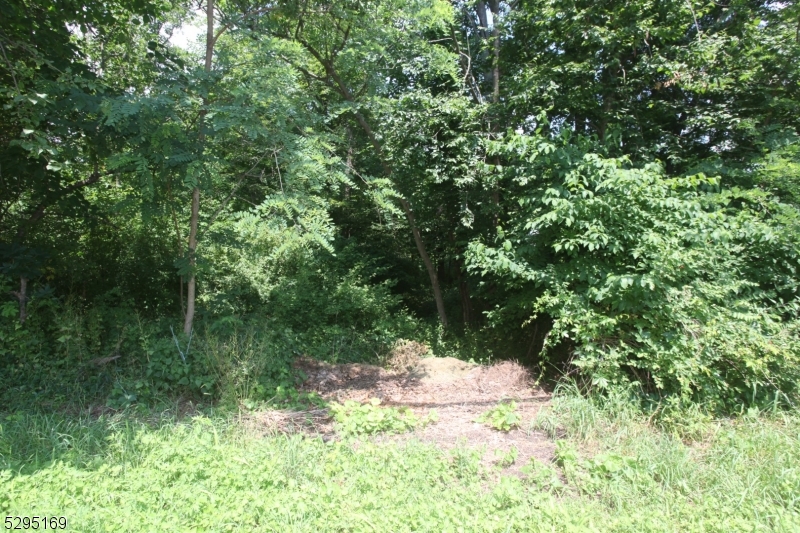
(458, 391)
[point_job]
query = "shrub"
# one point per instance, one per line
(654, 280)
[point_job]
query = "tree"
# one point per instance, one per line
(217, 128)
(339, 40)
(51, 143)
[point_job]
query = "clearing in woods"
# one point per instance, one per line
(458, 391)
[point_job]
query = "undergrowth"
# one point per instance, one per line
(355, 418)
(502, 417)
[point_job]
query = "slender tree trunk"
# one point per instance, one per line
(180, 251)
(349, 161)
(191, 285)
(533, 342)
(463, 289)
(429, 266)
(22, 296)
(608, 100)
(483, 19)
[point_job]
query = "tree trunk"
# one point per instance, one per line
(22, 296)
(423, 253)
(463, 289)
(483, 19)
(608, 100)
(191, 285)
(533, 343)
(179, 240)
(429, 266)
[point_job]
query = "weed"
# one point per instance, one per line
(291, 398)
(502, 417)
(504, 459)
(543, 476)
(466, 461)
(354, 418)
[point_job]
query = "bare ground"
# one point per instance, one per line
(458, 391)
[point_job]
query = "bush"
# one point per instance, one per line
(104, 351)
(251, 363)
(63, 352)
(655, 280)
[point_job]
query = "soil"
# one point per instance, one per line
(458, 391)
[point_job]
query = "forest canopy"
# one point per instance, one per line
(607, 190)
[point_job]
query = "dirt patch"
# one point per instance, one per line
(441, 370)
(458, 391)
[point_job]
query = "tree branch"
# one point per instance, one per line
(337, 49)
(10, 69)
(232, 193)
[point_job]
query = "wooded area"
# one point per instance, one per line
(603, 189)
(400, 265)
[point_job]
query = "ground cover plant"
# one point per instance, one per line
(355, 418)
(617, 470)
(501, 417)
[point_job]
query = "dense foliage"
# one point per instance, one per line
(607, 188)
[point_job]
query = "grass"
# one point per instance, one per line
(617, 470)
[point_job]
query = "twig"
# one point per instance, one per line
(696, 25)
(10, 69)
(278, 166)
(177, 345)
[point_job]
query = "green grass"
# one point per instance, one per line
(617, 471)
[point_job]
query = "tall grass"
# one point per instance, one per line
(740, 472)
(238, 364)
